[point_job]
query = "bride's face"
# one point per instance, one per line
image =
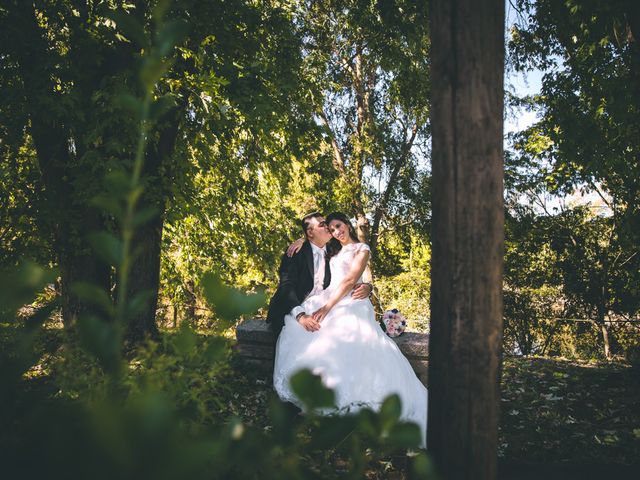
(340, 231)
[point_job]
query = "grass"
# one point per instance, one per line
(557, 412)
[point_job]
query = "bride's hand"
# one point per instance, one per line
(319, 314)
(295, 247)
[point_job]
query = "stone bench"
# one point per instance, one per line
(255, 347)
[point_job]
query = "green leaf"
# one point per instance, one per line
(185, 341)
(367, 422)
(94, 295)
(229, 303)
(283, 416)
(102, 339)
(130, 103)
(160, 106)
(117, 182)
(145, 215)
(215, 351)
(390, 412)
(130, 27)
(170, 35)
(135, 193)
(139, 302)
(36, 319)
(153, 68)
(155, 413)
(19, 355)
(333, 431)
(404, 435)
(109, 204)
(422, 467)
(19, 285)
(160, 9)
(310, 390)
(107, 247)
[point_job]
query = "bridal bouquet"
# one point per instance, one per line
(394, 323)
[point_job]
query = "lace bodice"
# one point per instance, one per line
(342, 262)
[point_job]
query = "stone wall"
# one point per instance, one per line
(256, 347)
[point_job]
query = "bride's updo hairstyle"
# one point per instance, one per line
(334, 246)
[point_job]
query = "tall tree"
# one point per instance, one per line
(67, 63)
(55, 107)
(369, 60)
(599, 271)
(467, 235)
(588, 135)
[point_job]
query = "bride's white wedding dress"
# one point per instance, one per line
(350, 352)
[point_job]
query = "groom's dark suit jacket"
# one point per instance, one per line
(296, 281)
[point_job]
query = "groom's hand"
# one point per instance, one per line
(308, 323)
(361, 290)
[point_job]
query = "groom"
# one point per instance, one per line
(304, 274)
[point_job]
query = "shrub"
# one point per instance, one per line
(409, 292)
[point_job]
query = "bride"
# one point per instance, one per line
(350, 351)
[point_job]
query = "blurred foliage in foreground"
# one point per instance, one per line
(161, 414)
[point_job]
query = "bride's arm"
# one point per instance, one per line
(346, 285)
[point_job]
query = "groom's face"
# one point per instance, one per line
(317, 231)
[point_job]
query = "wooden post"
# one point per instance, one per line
(467, 45)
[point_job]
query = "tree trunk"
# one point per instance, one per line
(191, 299)
(144, 280)
(78, 263)
(71, 218)
(467, 234)
(175, 316)
(605, 340)
(631, 216)
(144, 276)
(362, 224)
(605, 333)
(389, 188)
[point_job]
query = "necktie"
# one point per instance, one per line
(318, 270)
(317, 262)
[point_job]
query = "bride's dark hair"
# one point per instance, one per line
(333, 245)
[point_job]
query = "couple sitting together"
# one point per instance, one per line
(323, 321)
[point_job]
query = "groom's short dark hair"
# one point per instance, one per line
(304, 223)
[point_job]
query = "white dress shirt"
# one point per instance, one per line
(318, 276)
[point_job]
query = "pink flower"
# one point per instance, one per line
(394, 322)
